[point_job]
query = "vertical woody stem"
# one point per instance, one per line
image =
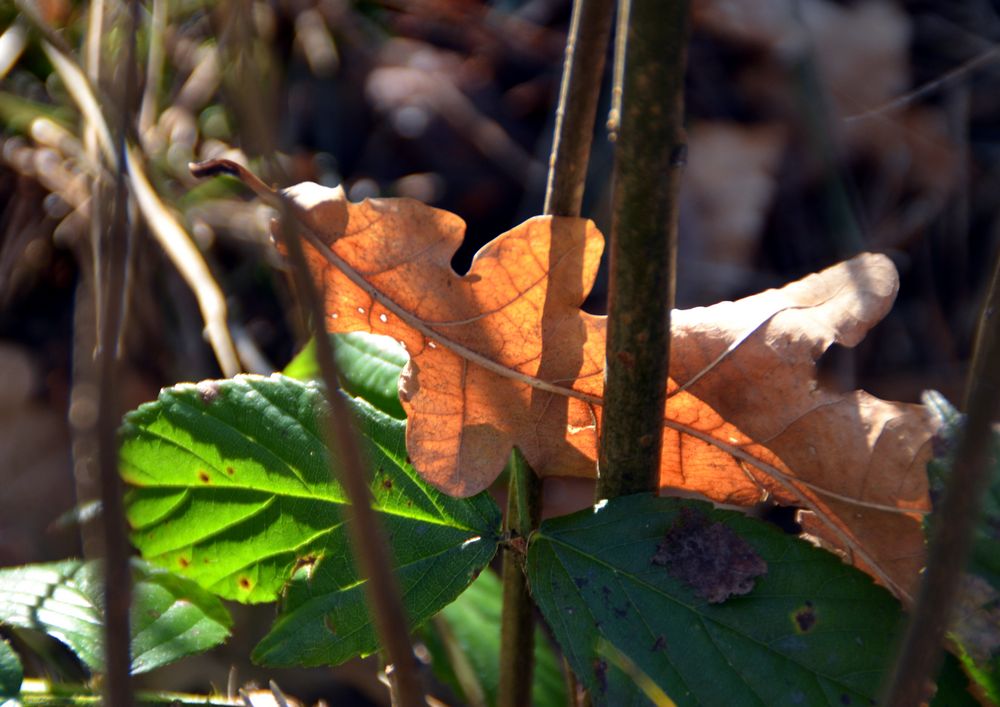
(650, 155)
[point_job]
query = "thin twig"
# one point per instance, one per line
(618, 72)
(279, 696)
(186, 257)
(650, 154)
(930, 87)
(154, 69)
(920, 657)
(117, 574)
(370, 548)
(583, 70)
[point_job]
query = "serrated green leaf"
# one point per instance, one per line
(11, 674)
(173, 617)
(369, 368)
(472, 623)
(812, 631)
(170, 618)
(232, 488)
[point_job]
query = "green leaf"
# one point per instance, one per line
(812, 630)
(11, 674)
(468, 630)
(232, 488)
(171, 617)
(369, 368)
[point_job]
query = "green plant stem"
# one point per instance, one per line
(117, 573)
(920, 657)
(649, 158)
(583, 69)
(517, 647)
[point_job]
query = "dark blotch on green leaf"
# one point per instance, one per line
(708, 557)
(805, 618)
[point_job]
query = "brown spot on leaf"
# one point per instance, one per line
(183, 562)
(208, 391)
(203, 476)
(708, 557)
(230, 470)
(387, 484)
(805, 618)
(244, 583)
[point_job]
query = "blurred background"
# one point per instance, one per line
(817, 129)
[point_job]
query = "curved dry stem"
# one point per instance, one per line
(189, 262)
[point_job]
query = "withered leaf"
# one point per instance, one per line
(504, 356)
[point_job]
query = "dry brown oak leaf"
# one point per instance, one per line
(504, 356)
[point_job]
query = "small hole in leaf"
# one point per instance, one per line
(382, 318)
(805, 618)
(361, 310)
